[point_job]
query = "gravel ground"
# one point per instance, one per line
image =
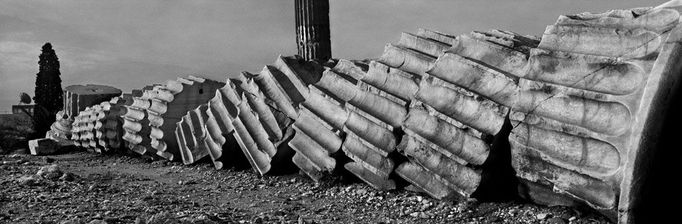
(84, 187)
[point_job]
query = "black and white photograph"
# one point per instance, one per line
(340, 111)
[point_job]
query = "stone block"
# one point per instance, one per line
(43, 146)
(78, 97)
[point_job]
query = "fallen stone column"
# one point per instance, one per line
(452, 120)
(158, 109)
(108, 125)
(219, 125)
(259, 160)
(257, 102)
(318, 139)
(368, 125)
(84, 126)
(208, 130)
(257, 131)
(193, 130)
(256, 110)
(266, 81)
(589, 106)
(135, 125)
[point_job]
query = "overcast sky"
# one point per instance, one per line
(131, 43)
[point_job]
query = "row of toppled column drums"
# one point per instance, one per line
(427, 112)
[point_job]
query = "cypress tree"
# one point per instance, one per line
(48, 92)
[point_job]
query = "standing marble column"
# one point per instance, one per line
(312, 29)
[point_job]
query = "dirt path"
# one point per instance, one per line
(125, 189)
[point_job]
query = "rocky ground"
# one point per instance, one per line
(84, 187)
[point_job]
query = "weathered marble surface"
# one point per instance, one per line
(580, 102)
(579, 128)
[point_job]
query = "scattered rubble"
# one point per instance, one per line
(48, 159)
(137, 191)
(50, 172)
(30, 180)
